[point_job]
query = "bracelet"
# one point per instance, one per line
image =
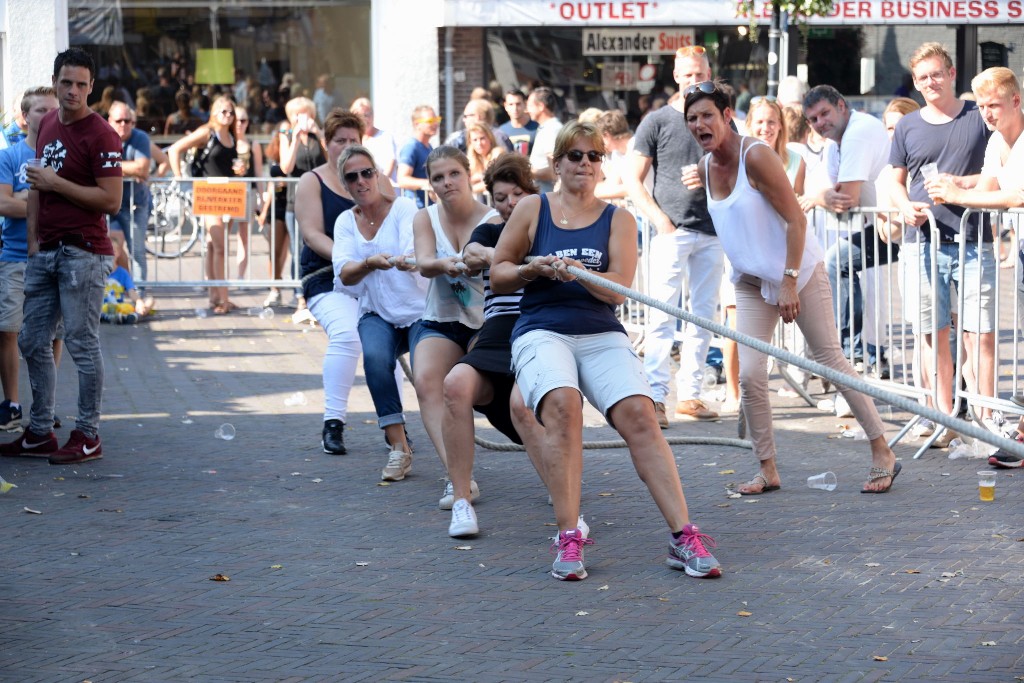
(519, 271)
(366, 264)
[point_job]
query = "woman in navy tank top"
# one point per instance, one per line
(568, 343)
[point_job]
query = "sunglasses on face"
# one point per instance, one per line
(243, 120)
(366, 173)
(123, 121)
(226, 112)
(435, 119)
(576, 156)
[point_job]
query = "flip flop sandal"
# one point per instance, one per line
(758, 479)
(881, 473)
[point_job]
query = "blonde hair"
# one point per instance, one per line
(783, 138)
(998, 81)
(214, 122)
(300, 105)
(928, 51)
(478, 164)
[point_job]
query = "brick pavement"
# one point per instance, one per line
(343, 579)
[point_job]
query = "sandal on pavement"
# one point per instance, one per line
(876, 473)
(758, 480)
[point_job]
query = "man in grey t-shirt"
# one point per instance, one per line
(685, 246)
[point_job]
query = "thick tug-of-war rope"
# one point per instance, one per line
(855, 383)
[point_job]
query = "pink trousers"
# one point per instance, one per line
(757, 318)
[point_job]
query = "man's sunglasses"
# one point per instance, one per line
(576, 156)
(352, 176)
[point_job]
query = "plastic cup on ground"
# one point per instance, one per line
(225, 432)
(826, 481)
(987, 486)
(202, 313)
(266, 313)
(296, 399)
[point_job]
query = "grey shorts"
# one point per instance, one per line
(603, 367)
(12, 295)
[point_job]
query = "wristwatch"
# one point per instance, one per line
(792, 272)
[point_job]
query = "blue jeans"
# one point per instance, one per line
(65, 282)
(134, 231)
(382, 344)
(842, 259)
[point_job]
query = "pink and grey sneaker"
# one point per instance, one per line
(690, 554)
(568, 564)
(79, 448)
(30, 444)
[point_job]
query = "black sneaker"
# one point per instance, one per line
(10, 417)
(333, 440)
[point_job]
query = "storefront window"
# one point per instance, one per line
(280, 49)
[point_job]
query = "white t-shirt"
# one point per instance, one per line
(396, 296)
(1010, 173)
(543, 146)
(863, 153)
(384, 150)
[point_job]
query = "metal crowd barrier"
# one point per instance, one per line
(891, 326)
(176, 243)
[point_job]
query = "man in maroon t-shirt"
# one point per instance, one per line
(69, 258)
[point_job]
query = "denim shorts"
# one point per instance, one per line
(452, 331)
(12, 295)
(603, 367)
(929, 306)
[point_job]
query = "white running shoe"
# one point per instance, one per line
(399, 464)
(463, 520)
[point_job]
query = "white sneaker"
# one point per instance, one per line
(448, 499)
(842, 407)
(399, 464)
(463, 520)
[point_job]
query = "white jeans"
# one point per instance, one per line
(697, 258)
(338, 314)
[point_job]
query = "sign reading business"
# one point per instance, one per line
(638, 41)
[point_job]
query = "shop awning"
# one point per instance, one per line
(719, 12)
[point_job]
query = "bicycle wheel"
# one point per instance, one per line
(173, 230)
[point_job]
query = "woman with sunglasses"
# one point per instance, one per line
(215, 142)
(372, 242)
(455, 300)
(568, 343)
(247, 164)
(777, 272)
(320, 198)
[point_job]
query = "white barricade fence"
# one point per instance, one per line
(176, 250)
(999, 274)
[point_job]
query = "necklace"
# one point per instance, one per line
(561, 209)
(366, 215)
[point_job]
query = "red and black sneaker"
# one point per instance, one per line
(79, 448)
(30, 444)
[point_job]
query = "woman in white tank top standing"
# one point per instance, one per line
(777, 271)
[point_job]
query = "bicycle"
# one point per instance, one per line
(173, 230)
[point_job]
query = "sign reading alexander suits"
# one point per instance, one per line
(635, 41)
(624, 13)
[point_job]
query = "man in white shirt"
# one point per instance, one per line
(380, 143)
(540, 105)
(863, 154)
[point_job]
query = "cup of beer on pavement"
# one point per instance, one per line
(987, 486)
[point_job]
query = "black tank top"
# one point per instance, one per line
(219, 160)
(333, 206)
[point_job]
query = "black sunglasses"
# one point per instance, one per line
(706, 87)
(123, 121)
(352, 176)
(576, 156)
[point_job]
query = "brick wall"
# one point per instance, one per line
(468, 68)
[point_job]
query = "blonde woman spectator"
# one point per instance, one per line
(215, 142)
(481, 149)
(247, 164)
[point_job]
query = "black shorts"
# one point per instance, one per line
(490, 354)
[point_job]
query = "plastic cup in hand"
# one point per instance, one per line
(826, 481)
(226, 432)
(34, 163)
(987, 486)
(930, 172)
